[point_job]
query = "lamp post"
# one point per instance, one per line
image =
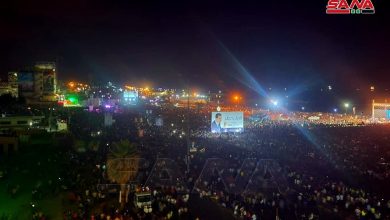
(346, 105)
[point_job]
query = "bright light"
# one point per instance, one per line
(274, 102)
(335, 110)
(303, 108)
(72, 99)
(346, 105)
(236, 98)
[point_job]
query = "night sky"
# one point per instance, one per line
(167, 43)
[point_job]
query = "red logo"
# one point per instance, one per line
(355, 7)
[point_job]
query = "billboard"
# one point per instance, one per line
(26, 81)
(227, 122)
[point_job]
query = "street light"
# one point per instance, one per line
(346, 105)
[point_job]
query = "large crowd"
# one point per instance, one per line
(283, 169)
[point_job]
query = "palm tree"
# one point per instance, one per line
(122, 166)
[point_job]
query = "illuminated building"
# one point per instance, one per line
(45, 80)
(38, 84)
(10, 87)
(130, 97)
(5, 88)
(13, 83)
(380, 111)
(26, 84)
(19, 122)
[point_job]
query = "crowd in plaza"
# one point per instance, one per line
(275, 168)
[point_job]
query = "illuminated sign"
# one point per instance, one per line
(227, 122)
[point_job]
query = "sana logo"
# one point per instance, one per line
(354, 7)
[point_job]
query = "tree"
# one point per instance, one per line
(122, 166)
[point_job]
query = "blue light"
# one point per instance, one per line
(274, 102)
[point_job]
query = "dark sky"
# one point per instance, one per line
(168, 43)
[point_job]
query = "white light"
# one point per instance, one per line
(274, 102)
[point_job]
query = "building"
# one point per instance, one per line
(380, 111)
(5, 88)
(13, 79)
(39, 83)
(46, 80)
(26, 82)
(11, 86)
(130, 97)
(19, 122)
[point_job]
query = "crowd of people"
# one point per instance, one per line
(282, 169)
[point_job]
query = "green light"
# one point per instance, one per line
(72, 99)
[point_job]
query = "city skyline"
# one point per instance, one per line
(288, 45)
